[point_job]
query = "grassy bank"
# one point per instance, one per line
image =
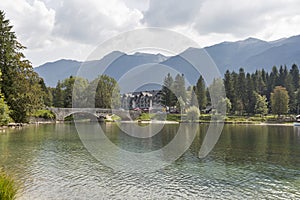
(8, 187)
(234, 119)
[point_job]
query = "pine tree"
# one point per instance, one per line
(168, 97)
(295, 76)
(200, 91)
(58, 96)
(179, 87)
(20, 84)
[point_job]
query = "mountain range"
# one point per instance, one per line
(251, 54)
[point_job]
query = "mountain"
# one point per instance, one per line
(118, 63)
(58, 70)
(251, 54)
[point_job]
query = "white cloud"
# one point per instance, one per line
(91, 21)
(33, 22)
(72, 28)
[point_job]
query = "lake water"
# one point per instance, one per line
(248, 161)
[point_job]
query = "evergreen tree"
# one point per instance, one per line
(249, 101)
(179, 87)
(241, 88)
(58, 96)
(20, 84)
(68, 89)
(168, 97)
(194, 100)
(295, 76)
(201, 93)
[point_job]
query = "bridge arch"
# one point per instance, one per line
(99, 113)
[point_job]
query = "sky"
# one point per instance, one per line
(72, 29)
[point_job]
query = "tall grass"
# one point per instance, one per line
(8, 188)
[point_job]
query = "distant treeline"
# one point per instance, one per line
(260, 92)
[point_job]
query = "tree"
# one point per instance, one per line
(194, 100)
(295, 76)
(279, 100)
(201, 93)
(107, 92)
(58, 96)
(229, 87)
(179, 87)
(24, 98)
(4, 109)
(217, 94)
(48, 98)
(168, 97)
(261, 104)
(68, 90)
(241, 88)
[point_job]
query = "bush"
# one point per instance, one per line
(46, 114)
(8, 189)
(4, 112)
(193, 113)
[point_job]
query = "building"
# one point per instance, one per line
(145, 100)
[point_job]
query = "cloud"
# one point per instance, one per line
(207, 17)
(33, 22)
(90, 21)
(171, 13)
(72, 28)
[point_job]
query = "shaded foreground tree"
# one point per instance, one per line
(20, 84)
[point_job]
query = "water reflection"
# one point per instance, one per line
(253, 162)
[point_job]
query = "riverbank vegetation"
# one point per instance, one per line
(8, 188)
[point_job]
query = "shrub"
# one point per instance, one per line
(46, 114)
(8, 189)
(193, 113)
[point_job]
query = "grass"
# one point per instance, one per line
(8, 188)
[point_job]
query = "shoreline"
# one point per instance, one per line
(255, 123)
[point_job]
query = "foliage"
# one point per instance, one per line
(46, 114)
(173, 117)
(279, 100)
(107, 93)
(168, 97)
(179, 87)
(241, 88)
(193, 113)
(145, 117)
(20, 84)
(200, 91)
(4, 112)
(217, 93)
(8, 188)
(261, 104)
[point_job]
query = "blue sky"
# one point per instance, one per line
(71, 29)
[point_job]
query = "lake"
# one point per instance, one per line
(248, 161)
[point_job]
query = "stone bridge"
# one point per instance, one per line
(99, 113)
